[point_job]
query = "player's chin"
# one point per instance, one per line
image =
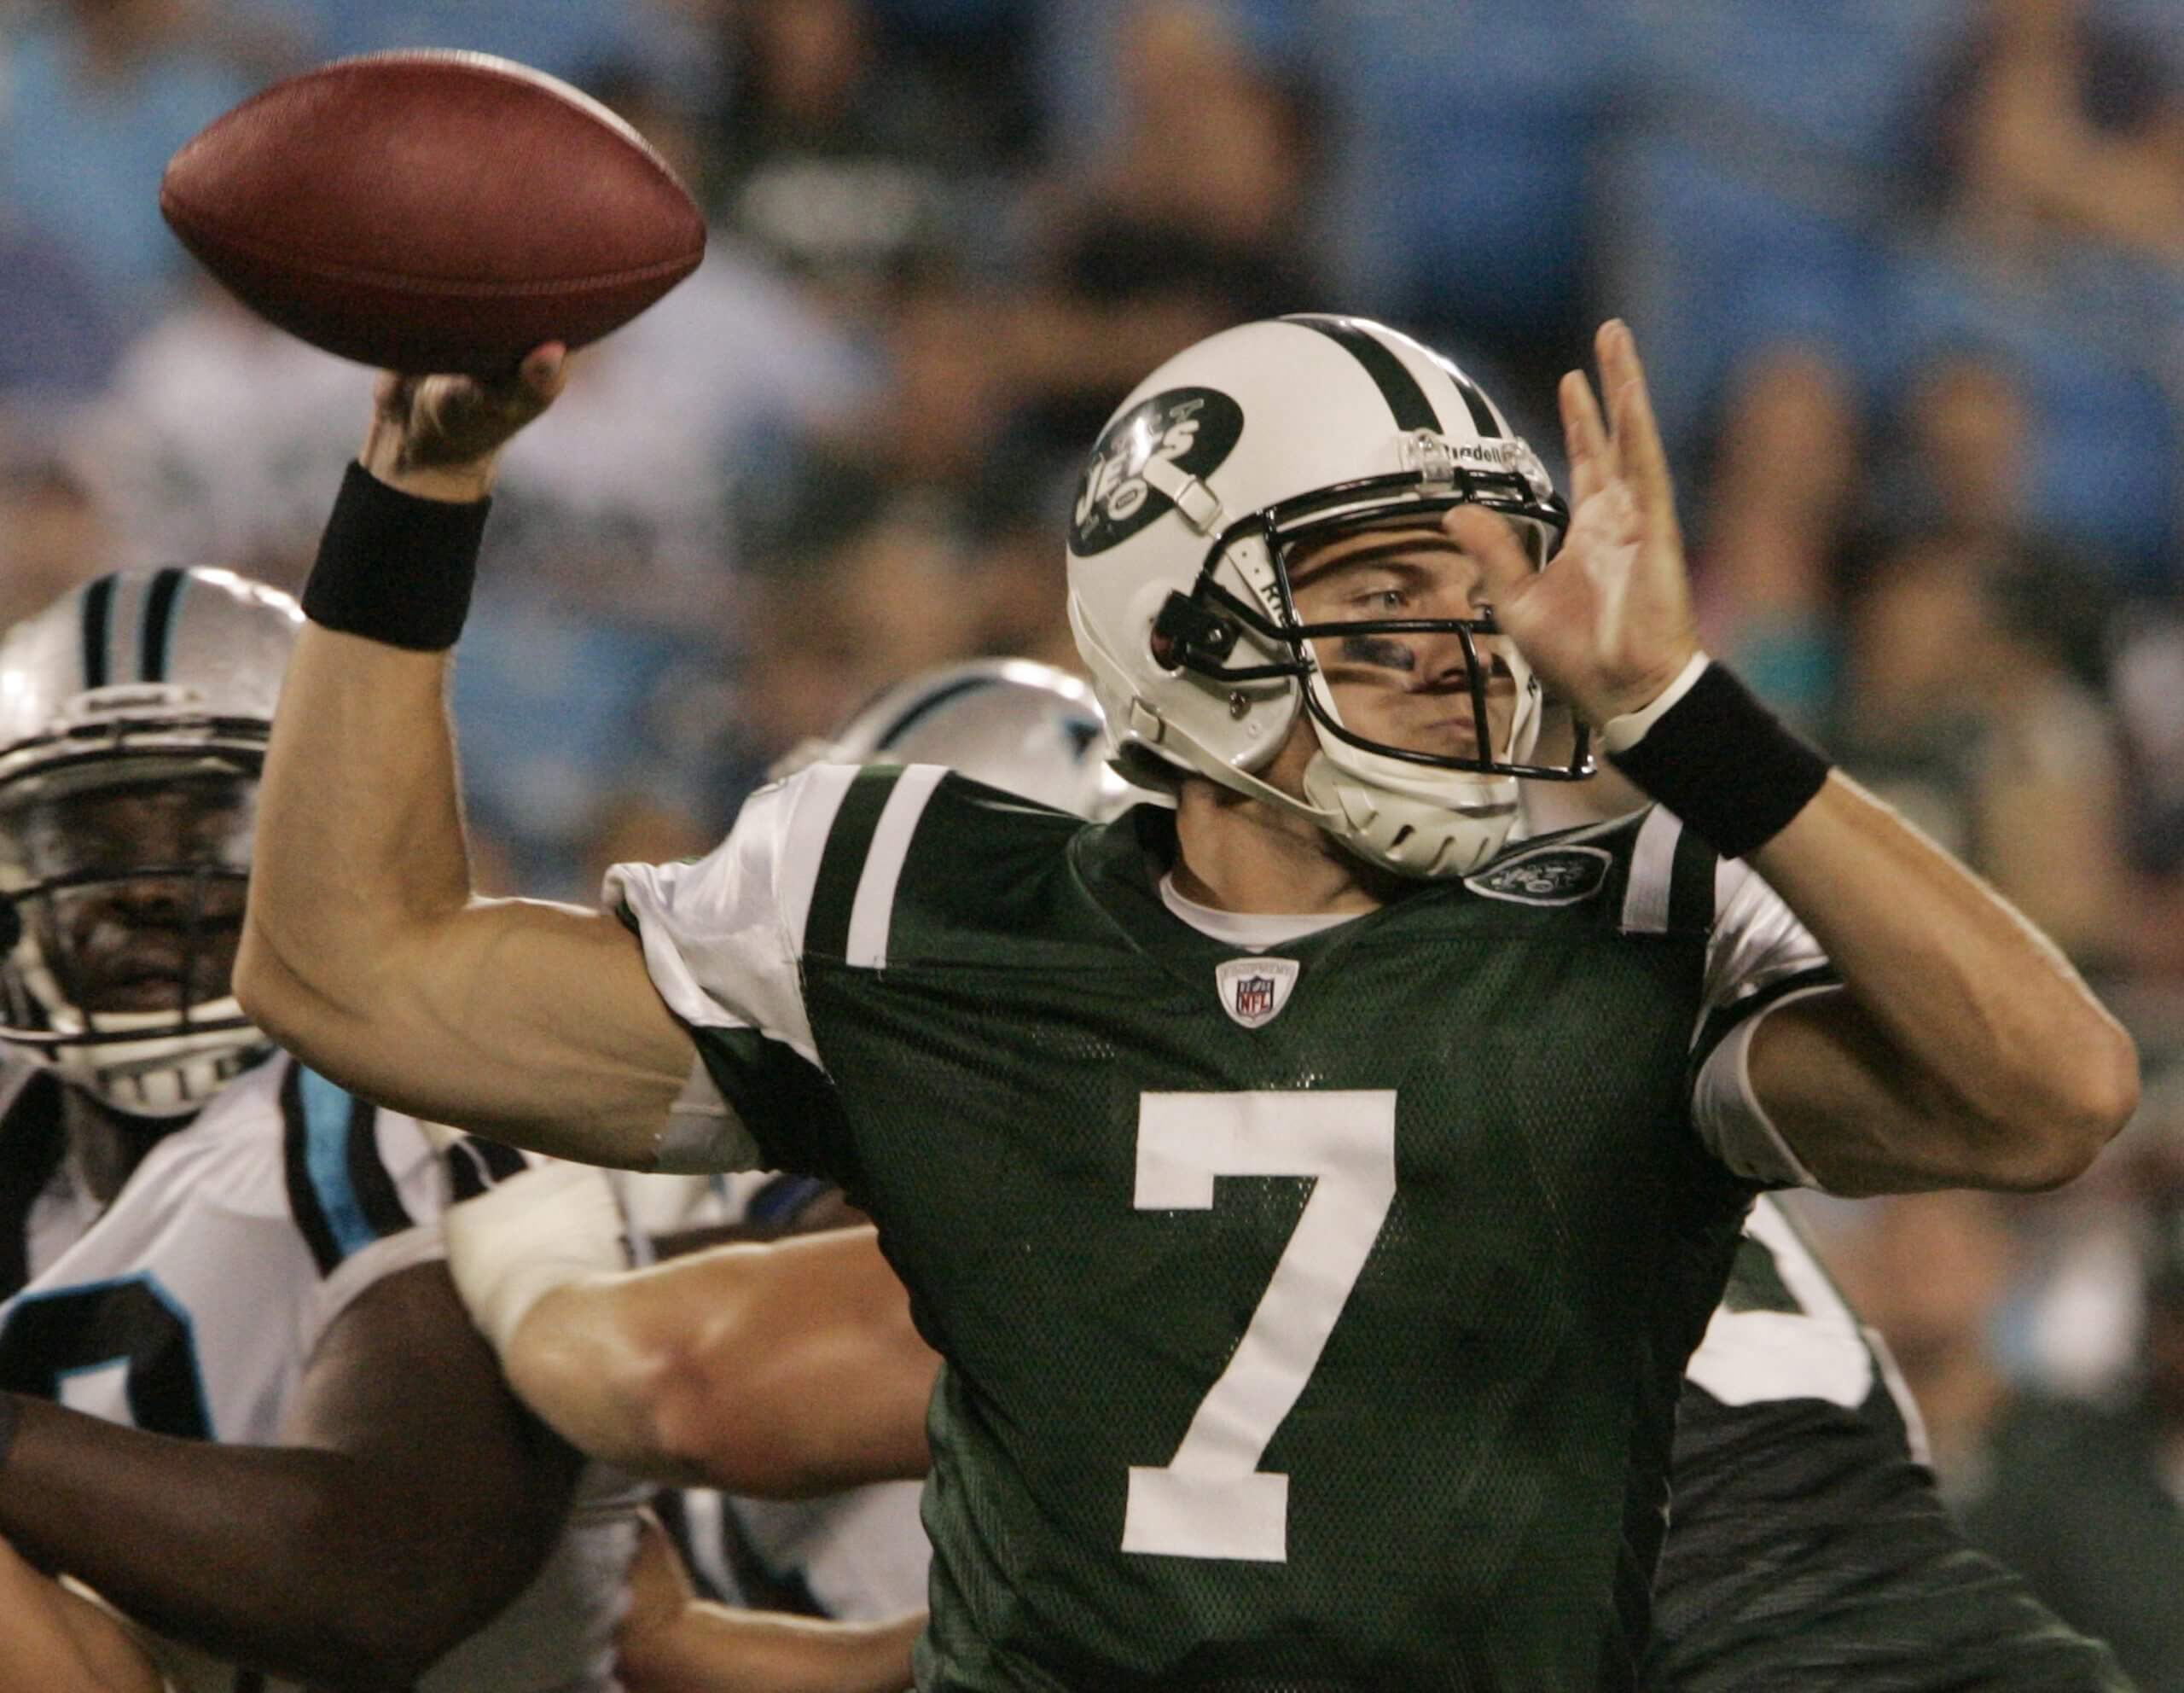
(1444, 738)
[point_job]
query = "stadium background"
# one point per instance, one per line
(1910, 274)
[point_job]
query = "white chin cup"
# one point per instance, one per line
(1418, 820)
(163, 1076)
(1409, 819)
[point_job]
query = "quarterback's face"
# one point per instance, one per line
(1407, 690)
(149, 910)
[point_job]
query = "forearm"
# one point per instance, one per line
(782, 1371)
(711, 1649)
(304, 1564)
(1977, 1031)
(360, 842)
(365, 954)
(597, 1367)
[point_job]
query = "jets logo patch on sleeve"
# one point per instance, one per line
(1552, 876)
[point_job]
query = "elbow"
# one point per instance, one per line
(2066, 1123)
(289, 1004)
(392, 1604)
(328, 1009)
(755, 1434)
(382, 1634)
(269, 995)
(641, 1403)
(699, 1428)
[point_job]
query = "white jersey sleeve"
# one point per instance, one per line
(1759, 959)
(723, 939)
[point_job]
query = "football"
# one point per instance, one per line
(432, 211)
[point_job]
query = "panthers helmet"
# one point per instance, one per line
(1012, 724)
(1202, 486)
(139, 683)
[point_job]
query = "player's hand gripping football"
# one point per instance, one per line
(1608, 623)
(440, 437)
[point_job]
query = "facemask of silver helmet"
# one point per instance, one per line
(1264, 445)
(134, 715)
(1012, 724)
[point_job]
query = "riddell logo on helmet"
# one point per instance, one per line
(1503, 455)
(1194, 429)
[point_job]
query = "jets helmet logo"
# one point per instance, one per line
(1193, 429)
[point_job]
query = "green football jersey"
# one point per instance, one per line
(1310, 1319)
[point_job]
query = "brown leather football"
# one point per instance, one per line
(432, 211)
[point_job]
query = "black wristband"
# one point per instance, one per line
(1726, 766)
(394, 567)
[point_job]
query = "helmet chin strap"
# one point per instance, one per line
(1151, 727)
(1414, 835)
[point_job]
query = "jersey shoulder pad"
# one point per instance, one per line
(920, 862)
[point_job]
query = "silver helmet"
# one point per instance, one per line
(1012, 724)
(134, 714)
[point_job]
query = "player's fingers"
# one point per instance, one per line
(1637, 435)
(545, 372)
(1505, 568)
(1584, 436)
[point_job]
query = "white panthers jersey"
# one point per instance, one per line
(192, 1304)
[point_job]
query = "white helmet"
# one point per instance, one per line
(1216, 466)
(145, 683)
(1012, 724)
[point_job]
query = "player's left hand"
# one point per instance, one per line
(441, 437)
(1608, 623)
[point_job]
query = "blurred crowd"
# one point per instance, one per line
(1910, 273)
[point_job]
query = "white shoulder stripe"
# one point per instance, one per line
(803, 843)
(875, 906)
(1653, 863)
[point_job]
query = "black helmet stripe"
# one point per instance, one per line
(98, 631)
(1481, 409)
(919, 709)
(1413, 410)
(158, 629)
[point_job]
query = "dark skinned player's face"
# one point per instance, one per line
(147, 923)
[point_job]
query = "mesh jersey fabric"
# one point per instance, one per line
(1808, 1546)
(992, 1000)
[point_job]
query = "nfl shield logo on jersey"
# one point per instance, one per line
(1253, 991)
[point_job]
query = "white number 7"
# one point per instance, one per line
(1211, 1501)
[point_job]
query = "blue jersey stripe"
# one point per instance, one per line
(326, 1156)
